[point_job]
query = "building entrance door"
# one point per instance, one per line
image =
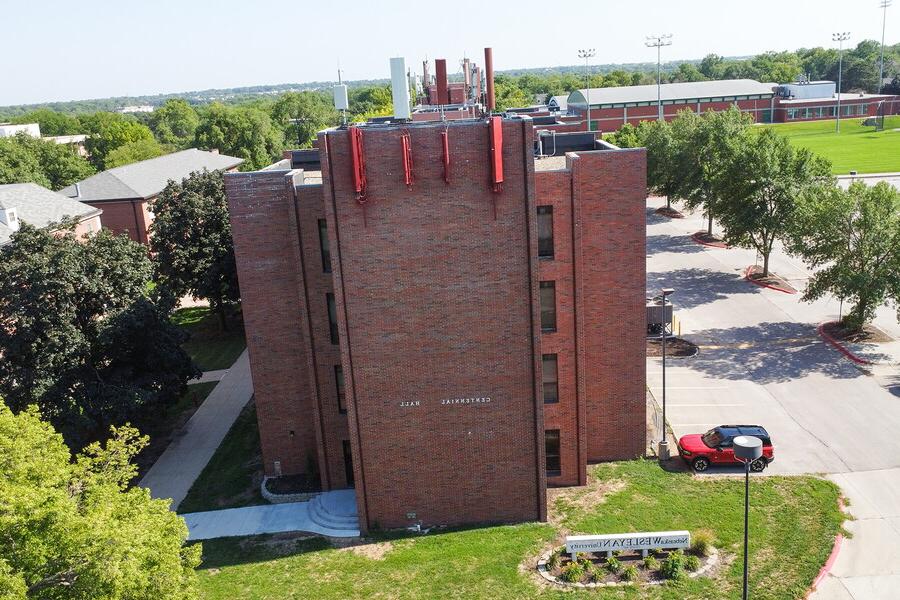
(348, 463)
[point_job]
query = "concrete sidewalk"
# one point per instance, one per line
(210, 376)
(172, 475)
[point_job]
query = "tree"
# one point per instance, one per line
(133, 152)
(301, 115)
(174, 123)
(80, 338)
(191, 241)
(44, 162)
(109, 133)
(851, 240)
(663, 157)
(239, 131)
(763, 180)
(51, 122)
(19, 165)
(711, 66)
(76, 529)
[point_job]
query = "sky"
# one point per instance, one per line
(65, 50)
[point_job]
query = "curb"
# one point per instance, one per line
(765, 285)
(826, 568)
(839, 346)
(697, 240)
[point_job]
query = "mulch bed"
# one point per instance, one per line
(597, 572)
(772, 280)
(674, 347)
(705, 238)
(293, 484)
(669, 212)
(869, 333)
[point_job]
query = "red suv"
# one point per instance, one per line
(715, 447)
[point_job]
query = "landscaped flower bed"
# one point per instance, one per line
(591, 569)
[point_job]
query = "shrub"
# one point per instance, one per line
(596, 573)
(702, 542)
(586, 564)
(613, 565)
(553, 561)
(692, 562)
(630, 573)
(673, 567)
(657, 552)
(572, 573)
(651, 563)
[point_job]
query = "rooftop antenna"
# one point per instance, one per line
(340, 97)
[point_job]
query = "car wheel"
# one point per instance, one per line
(700, 464)
(759, 465)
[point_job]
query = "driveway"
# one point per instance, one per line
(762, 362)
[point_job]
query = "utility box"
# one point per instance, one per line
(657, 320)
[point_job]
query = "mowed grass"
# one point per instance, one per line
(793, 523)
(234, 473)
(210, 347)
(855, 148)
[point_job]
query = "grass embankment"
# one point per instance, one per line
(234, 473)
(793, 523)
(855, 148)
(210, 347)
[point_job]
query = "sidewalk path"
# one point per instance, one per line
(172, 475)
(210, 376)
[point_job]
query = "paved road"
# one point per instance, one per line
(762, 362)
(172, 475)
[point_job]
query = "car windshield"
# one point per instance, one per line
(712, 438)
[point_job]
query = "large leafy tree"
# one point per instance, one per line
(851, 239)
(110, 132)
(80, 339)
(19, 165)
(27, 159)
(175, 123)
(76, 529)
(241, 131)
(763, 180)
(191, 241)
(301, 115)
(133, 152)
(51, 122)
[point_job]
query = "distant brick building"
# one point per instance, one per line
(444, 342)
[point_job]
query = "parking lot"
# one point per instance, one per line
(762, 362)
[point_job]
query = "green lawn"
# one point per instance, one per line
(793, 524)
(234, 473)
(856, 148)
(210, 346)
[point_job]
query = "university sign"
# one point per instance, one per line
(627, 541)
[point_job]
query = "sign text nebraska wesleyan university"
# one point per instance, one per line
(627, 541)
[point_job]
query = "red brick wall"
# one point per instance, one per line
(275, 318)
(124, 216)
(438, 300)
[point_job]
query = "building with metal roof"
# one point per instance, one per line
(694, 91)
(37, 206)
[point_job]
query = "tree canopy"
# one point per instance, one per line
(44, 162)
(301, 115)
(134, 152)
(81, 339)
(175, 123)
(242, 131)
(109, 131)
(76, 529)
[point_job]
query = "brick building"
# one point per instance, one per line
(443, 321)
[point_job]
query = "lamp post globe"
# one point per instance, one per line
(747, 449)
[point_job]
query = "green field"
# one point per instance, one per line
(793, 522)
(856, 148)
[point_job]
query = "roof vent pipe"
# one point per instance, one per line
(400, 88)
(489, 74)
(78, 190)
(440, 73)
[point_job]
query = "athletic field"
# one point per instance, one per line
(856, 148)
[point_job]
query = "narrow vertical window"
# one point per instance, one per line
(548, 306)
(332, 318)
(545, 231)
(339, 386)
(551, 452)
(550, 377)
(323, 246)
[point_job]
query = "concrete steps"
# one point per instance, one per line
(334, 510)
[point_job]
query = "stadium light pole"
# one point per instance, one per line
(587, 54)
(658, 41)
(840, 38)
(884, 6)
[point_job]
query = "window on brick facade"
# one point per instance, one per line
(323, 246)
(339, 386)
(545, 231)
(332, 318)
(550, 377)
(551, 452)
(548, 306)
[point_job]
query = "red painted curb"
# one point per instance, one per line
(765, 285)
(826, 568)
(710, 244)
(839, 346)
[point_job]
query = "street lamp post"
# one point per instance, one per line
(658, 41)
(588, 54)
(747, 449)
(664, 444)
(884, 6)
(840, 38)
